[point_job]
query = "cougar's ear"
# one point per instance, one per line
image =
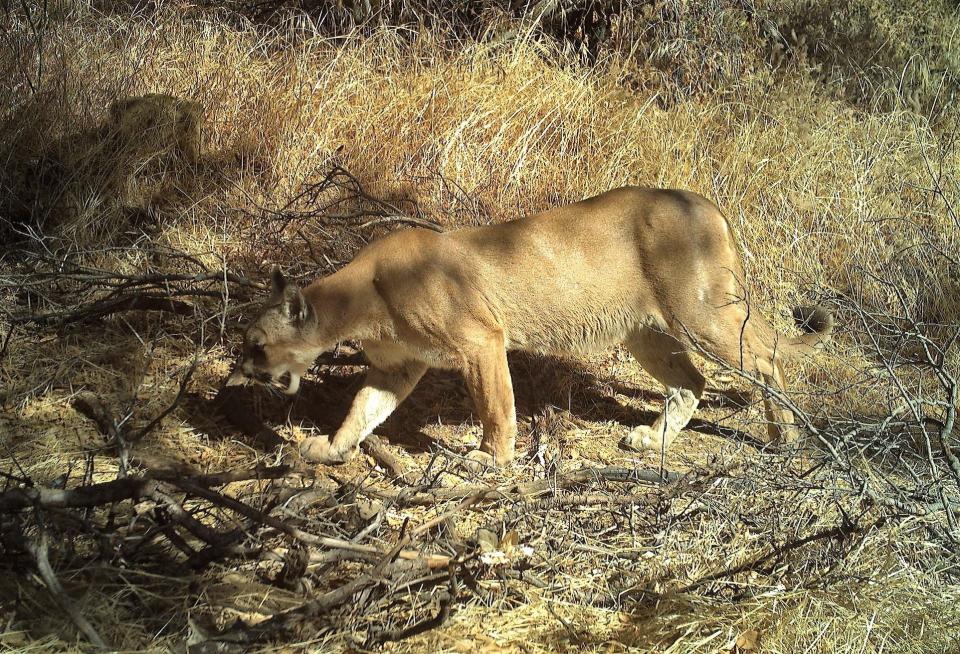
(296, 307)
(290, 298)
(278, 284)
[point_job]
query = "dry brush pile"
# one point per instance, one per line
(158, 163)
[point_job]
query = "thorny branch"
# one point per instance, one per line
(57, 287)
(39, 551)
(350, 205)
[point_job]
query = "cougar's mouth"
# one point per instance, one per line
(237, 378)
(288, 382)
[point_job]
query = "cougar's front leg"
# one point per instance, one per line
(488, 380)
(382, 391)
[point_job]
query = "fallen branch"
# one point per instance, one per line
(838, 531)
(242, 634)
(118, 436)
(446, 600)
(377, 576)
(39, 552)
(377, 449)
(6, 341)
(527, 490)
(103, 308)
(72, 291)
(261, 517)
(126, 488)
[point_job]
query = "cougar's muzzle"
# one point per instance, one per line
(288, 382)
(237, 378)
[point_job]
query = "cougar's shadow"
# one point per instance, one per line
(441, 397)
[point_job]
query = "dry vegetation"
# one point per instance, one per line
(825, 130)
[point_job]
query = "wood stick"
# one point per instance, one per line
(432, 560)
(127, 488)
(39, 552)
(375, 447)
(525, 490)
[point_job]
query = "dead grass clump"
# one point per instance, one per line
(93, 184)
(885, 56)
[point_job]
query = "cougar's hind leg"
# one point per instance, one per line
(781, 424)
(487, 377)
(666, 359)
(745, 349)
(382, 391)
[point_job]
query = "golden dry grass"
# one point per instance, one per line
(818, 190)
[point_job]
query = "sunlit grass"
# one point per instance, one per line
(818, 190)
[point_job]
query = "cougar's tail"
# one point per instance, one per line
(817, 323)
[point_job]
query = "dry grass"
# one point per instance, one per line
(820, 192)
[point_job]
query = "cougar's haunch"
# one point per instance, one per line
(657, 270)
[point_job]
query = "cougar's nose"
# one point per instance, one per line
(237, 378)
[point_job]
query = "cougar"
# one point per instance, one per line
(654, 269)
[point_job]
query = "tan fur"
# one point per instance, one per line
(657, 270)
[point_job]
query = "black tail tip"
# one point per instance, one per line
(813, 319)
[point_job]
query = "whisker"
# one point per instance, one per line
(273, 390)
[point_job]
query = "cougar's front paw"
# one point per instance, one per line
(643, 438)
(477, 461)
(319, 450)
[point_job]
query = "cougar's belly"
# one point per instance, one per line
(388, 353)
(581, 331)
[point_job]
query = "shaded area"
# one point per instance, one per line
(541, 383)
(80, 183)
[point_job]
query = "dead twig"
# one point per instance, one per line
(431, 560)
(104, 308)
(348, 191)
(446, 600)
(839, 531)
(39, 552)
(525, 490)
(126, 488)
(6, 341)
(376, 448)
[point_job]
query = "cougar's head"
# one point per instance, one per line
(280, 341)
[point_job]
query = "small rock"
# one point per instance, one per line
(487, 540)
(368, 509)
